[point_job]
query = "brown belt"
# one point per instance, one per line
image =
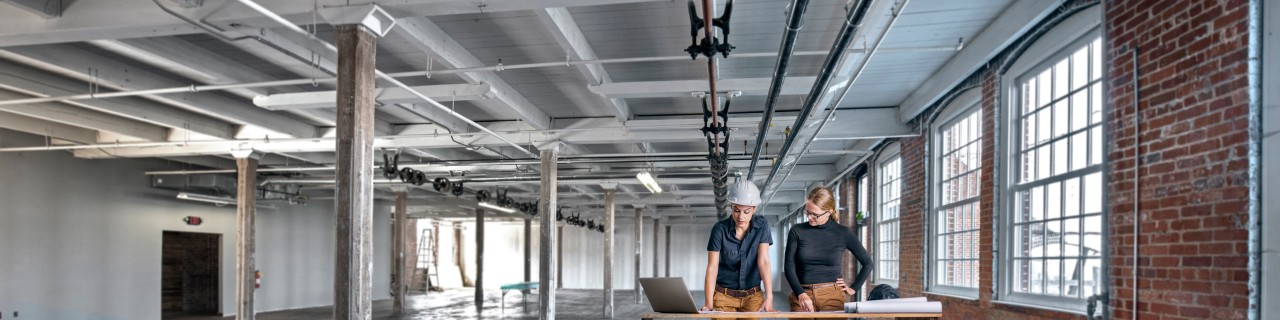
(818, 285)
(738, 293)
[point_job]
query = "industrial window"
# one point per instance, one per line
(887, 239)
(1052, 229)
(957, 162)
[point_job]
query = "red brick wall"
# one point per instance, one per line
(1193, 162)
(1193, 191)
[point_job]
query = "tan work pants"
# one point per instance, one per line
(829, 298)
(727, 303)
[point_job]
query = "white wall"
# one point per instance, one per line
(583, 254)
(81, 239)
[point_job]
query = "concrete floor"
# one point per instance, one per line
(459, 304)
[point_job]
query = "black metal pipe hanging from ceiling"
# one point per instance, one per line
(709, 46)
(852, 21)
(795, 22)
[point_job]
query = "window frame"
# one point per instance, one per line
(890, 153)
(1059, 43)
(965, 105)
(1270, 154)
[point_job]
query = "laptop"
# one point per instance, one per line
(668, 295)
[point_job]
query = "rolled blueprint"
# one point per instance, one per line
(881, 306)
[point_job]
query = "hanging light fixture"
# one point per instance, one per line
(649, 182)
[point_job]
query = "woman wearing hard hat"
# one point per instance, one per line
(812, 260)
(737, 256)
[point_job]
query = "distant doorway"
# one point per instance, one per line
(189, 275)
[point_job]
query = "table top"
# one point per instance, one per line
(758, 315)
(517, 286)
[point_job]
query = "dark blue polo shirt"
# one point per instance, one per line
(738, 269)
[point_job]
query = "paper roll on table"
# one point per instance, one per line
(912, 305)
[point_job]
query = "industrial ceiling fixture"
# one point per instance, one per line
(215, 200)
(649, 182)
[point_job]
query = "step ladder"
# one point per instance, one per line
(426, 276)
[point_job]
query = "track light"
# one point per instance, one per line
(490, 206)
(649, 182)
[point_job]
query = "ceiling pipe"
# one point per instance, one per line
(498, 179)
(318, 80)
(795, 22)
(289, 25)
(851, 23)
(476, 162)
(831, 113)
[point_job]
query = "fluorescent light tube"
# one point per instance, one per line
(649, 182)
(490, 206)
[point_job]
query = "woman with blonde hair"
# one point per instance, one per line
(812, 259)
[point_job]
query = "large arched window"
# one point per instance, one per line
(956, 161)
(1052, 219)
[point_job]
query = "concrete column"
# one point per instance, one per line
(547, 281)
(479, 261)
(667, 253)
(639, 249)
(560, 257)
(610, 191)
(353, 281)
(399, 249)
(655, 245)
(528, 251)
(246, 215)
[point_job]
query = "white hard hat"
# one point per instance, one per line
(745, 193)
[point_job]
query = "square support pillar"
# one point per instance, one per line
(548, 281)
(399, 250)
(610, 192)
(353, 281)
(639, 249)
(479, 262)
(246, 217)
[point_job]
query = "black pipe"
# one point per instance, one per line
(794, 23)
(851, 23)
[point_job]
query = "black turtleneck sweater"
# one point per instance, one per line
(813, 255)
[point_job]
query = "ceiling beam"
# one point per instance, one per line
(201, 65)
(43, 8)
(1015, 21)
(118, 19)
(48, 128)
(40, 83)
(428, 37)
(864, 123)
(394, 95)
(685, 88)
(575, 44)
(66, 114)
(71, 61)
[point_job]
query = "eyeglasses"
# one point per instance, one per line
(816, 215)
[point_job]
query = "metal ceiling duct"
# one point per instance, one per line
(794, 24)
(851, 23)
(831, 112)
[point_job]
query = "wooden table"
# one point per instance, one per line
(772, 315)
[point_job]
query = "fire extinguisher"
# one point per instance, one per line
(257, 279)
